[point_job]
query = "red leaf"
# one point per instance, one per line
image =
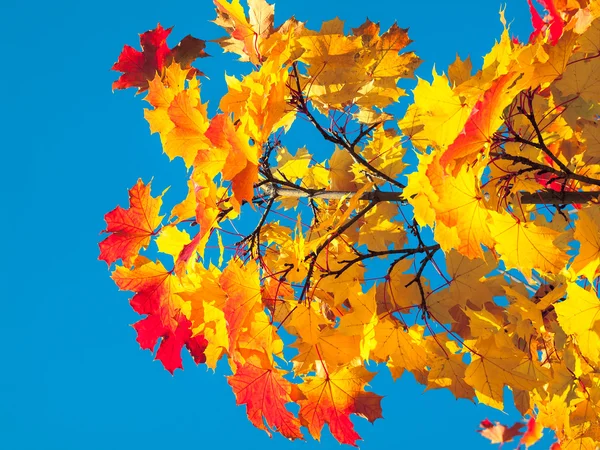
(536, 21)
(155, 290)
(151, 329)
(551, 181)
(554, 21)
(140, 67)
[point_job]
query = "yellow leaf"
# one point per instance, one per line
(171, 240)
(493, 368)
(582, 78)
(380, 228)
(293, 167)
(437, 115)
(447, 367)
(587, 232)
(259, 101)
(579, 315)
(190, 122)
(402, 349)
(361, 321)
(526, 246)
(247, 33)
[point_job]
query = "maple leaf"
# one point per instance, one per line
(497, 365)
(155, 290)
(335, 348)
(232, 155)
(265, 392)
(207, 212)
(361, 69)
(361, 321)
(190, 123)
(587, 232)
(259, 101)
(438, 114)
(447, 367)
(579, 314)
(555, 23)
(178, 115)
(247, 32)
(454, 203)
(510, 234)
(460, 70)
(533, 433)
(206, 301)
(581, 77)
(131, 229)
(140, 67)
(151, 328)
(485, 119)
(172, 240)
(401, 348)
(499, 434)
(331, 398)
(307, 323)
(242, 287)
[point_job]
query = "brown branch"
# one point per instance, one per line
(405, 252)
(312, 258)
(253, 238)
(418, 279)
(559, 198)
(300, 103)
(542, 145)
(545, 168)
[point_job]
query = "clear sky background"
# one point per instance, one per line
(71, 373)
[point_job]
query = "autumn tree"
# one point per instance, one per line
(459, 243)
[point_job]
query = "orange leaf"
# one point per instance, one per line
(241, 163)
(533, 434)
(242, 286)
(265, 393)
(332, 397)
(485, 119)
(131, 228)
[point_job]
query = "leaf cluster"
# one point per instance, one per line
(475, 269)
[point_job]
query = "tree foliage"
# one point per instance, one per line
(459, 242)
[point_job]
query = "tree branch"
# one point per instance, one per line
(545, 168)
(337, 233)
(559, 198)
(405, 252)
(299, 192)
(299, 102)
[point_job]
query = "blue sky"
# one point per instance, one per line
(72, 375)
